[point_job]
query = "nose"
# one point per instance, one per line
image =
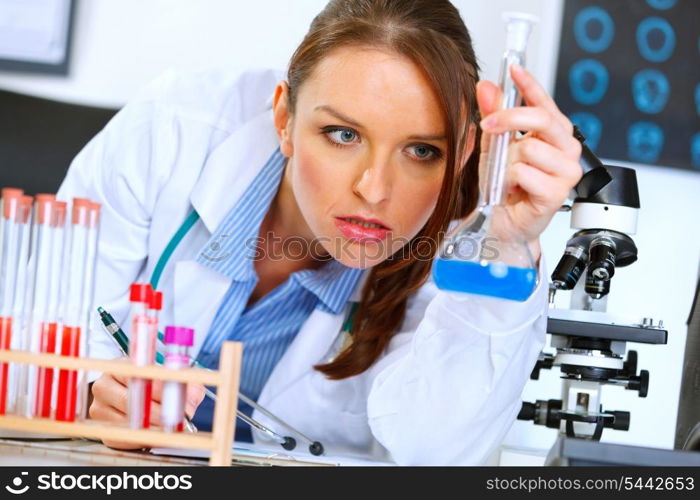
(374, 179)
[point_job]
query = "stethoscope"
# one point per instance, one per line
(287, 442)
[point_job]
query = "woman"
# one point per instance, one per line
(332, 186)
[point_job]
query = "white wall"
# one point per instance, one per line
(121, 44)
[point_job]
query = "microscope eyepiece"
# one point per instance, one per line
(603, 251)
(570, 268)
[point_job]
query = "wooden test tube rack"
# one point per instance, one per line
(218, 442)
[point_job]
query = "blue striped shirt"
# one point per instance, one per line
(270, 324)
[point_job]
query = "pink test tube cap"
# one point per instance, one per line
(179, 335)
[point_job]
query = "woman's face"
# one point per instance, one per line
(367, 153)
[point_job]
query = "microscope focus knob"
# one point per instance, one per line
(542, 412)
(622, 420)
(630, 366)
(640, 383)
(528, 411)
(545, 361)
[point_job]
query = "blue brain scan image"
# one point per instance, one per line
(628, 77)
(661, 4)
(588, 81)
(591, 127)
(594, 29)
(645, 140)
(656, 39)
(695, 151)
(650, 91)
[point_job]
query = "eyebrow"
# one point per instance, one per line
(338, 115)
(346, 119)
(427, 138)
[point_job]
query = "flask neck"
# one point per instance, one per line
(495, 161)
(492, 192)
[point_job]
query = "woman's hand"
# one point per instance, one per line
(543, 164)
(110, 400)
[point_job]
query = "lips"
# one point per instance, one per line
(362, 230)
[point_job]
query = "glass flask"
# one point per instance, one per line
(484, 254)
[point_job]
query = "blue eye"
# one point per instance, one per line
(422, 151)
(425, 152)
(341, 135)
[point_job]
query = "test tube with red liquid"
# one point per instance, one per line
(142, 351)
(74, 308)
(10, 208)
(42, 331)
(88, 298)
(58, 223)
(17, 379)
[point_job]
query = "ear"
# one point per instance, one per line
(282, 118)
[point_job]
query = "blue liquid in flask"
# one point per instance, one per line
(494, 279)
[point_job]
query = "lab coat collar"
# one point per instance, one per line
(333, 283)
(231, 167)
(229, 250)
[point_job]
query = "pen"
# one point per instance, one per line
(119, 338)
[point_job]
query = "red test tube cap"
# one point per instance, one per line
(58, 217)
(140, 292)
(95, 213)
(81, 209)
(44, 208)
(25, 209)
(11, 200)
(11, 192)
(156, 302)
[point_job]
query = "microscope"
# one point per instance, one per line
(590, 345)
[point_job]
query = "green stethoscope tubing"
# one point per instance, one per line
(179, 235)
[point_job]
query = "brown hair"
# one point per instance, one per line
(432, 34)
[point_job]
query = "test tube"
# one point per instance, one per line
(142, 347)
(88, 298)
(18, 372)
(155, 305)
(177, 342)
(73, 318)
(10, 207)
(42, 333)
(58, 223)
(22, 304)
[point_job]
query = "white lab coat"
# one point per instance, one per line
(448, 387)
